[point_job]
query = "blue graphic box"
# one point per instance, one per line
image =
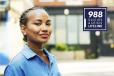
(94, 18)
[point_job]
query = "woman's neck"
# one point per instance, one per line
(36, 46)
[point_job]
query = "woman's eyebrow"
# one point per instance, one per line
(48, 20)
(37, 20)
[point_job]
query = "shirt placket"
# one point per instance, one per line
(46, 69)
(51, 64)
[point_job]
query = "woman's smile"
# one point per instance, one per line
(44, 35)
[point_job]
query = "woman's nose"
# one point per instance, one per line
(44, 28)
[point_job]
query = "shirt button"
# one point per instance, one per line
(51, 63)
(48, 73)
(51, 74)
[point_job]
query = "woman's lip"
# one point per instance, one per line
(44, 35)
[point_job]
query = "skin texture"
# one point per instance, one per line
(38, 24)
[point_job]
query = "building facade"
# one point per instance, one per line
(11, 37)
(68, 28)
(4, 32)
(67, 23)
(106, 39)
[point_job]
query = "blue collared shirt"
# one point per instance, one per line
(27, 63)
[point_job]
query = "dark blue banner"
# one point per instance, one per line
(94, 18)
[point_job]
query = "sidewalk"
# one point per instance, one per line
(103, 66)
(2, 67)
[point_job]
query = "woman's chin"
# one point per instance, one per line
(44, 41)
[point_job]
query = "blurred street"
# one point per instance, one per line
(103, 66)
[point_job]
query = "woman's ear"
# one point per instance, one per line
(23, 29)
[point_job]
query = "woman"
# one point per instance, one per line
(34, 59)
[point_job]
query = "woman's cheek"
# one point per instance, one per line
(50, 29)
(36, 29)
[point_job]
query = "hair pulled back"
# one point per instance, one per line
(23, 18)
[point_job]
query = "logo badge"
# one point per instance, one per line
(94, 18)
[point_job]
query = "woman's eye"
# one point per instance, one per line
(37, 23)
(49, 24)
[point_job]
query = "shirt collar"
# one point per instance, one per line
(51, 57)
(28, 53)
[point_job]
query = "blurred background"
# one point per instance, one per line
(89, 51)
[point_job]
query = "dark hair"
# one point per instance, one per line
(23, 18)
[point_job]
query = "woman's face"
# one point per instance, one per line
(38, 28)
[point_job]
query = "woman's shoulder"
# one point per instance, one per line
(15, 65)
(17, 60)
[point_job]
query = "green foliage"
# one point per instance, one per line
(92, 55)
(61, 47)
(77, 48)
(45, 45)
(85, 55)
(53, 49)
(98, 50)
(71, 48)
(64, 47)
